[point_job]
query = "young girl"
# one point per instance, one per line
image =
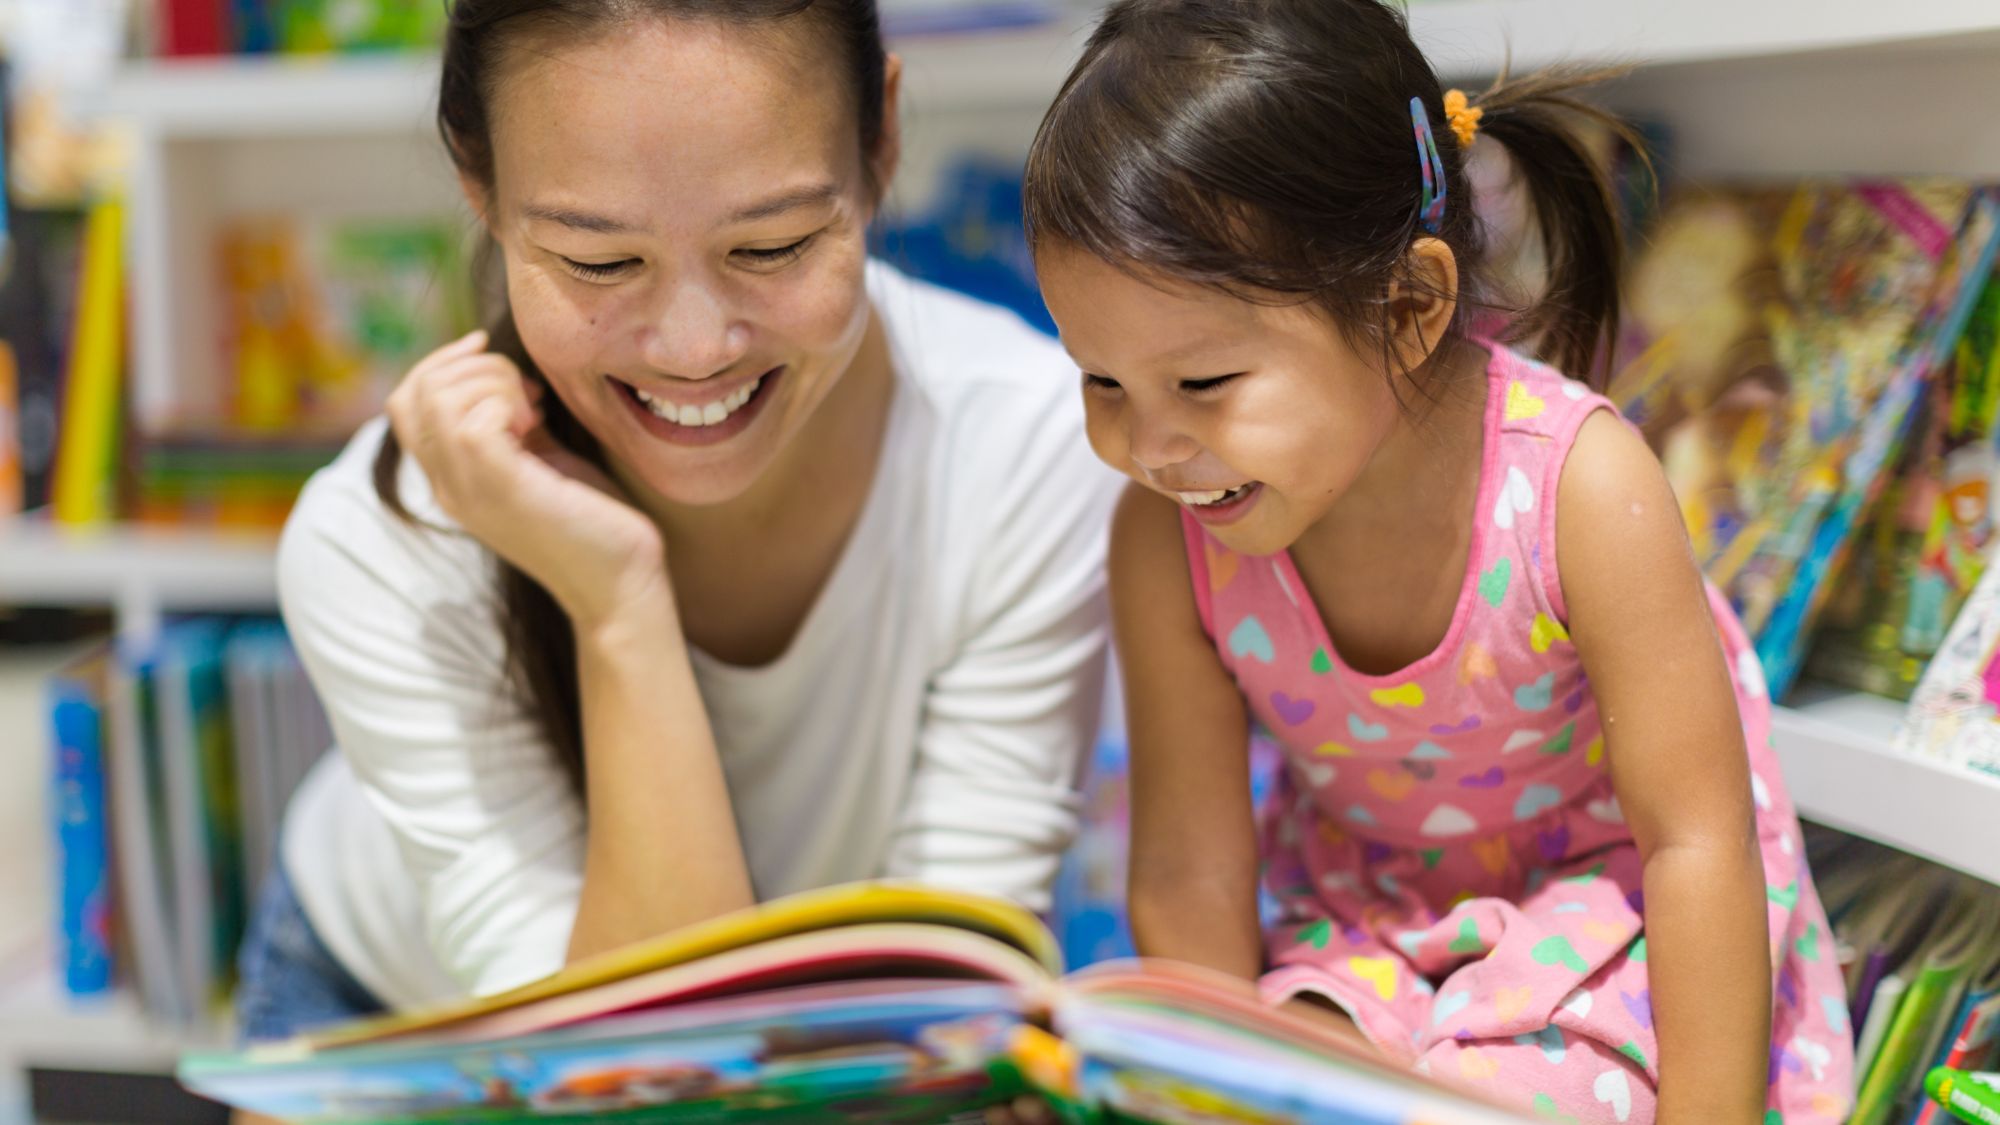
(1531, 835)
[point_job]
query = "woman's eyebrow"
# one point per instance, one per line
(578, 220)
(809, 196)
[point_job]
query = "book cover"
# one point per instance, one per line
(37, 303)
(86, 466)
(141, 844)
(82, 831)
(1938, 975)
(872, 1002)
(192, 28)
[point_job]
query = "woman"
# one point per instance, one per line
(728, 564)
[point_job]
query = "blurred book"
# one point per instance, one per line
(1777, 345)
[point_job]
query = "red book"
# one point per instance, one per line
(191, 27)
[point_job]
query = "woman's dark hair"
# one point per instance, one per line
(541, 648)
(1265, 147)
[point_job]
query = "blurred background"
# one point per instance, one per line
(228, 227)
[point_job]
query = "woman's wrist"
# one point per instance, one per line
(646, 624)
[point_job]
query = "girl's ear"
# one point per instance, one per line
(1422, 301)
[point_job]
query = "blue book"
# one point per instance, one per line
(253, 26)
(82, 828)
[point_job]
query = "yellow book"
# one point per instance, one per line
(86, 471)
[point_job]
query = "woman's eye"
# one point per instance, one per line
(1099, 382)
(776, 255)
(598, 271)
(1203, 386)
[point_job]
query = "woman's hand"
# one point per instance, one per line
(474, 423)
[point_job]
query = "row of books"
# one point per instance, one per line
(171, 769)
(318, 319)
(1921, 948)
(182, 28)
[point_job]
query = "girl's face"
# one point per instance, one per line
(1254, 418)
(682, 208)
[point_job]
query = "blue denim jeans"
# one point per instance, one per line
(287, 980)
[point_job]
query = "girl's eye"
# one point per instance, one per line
(1204, 386)
(598, 271)
(1099, 383)
(777, 255)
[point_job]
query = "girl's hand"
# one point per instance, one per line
(474, 423)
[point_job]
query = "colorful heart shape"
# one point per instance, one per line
(1428, 751)
(1546, 1106)
(1394, 785)
(1318, 775)
(1492, 853)
(1594, 752)
(1615, 1090)
(1432, 857)
(1321, 662)
(1511, 1002)
(1606, 809)
(1638, 951)
(1786, 896)
(1556, 950)
(1640, 1006)
(1536, 799)
(1517, 497)
(1560, 744)
(1494, 580)
(1553, 843)
(1578, 1003)
(1493, 778)
(1536, 696)
(1359, 814)
(1477, 664)
(1333, 750)
(1449, 1005)
(1378, 971)
(1222, 565)
(1476, 1065)
(1365, 731)
(1606, 932)
(1523, 404)
(1467, 943)
(1249, 639)
(1292, 711)
(1316, 934)
(1402, 695)
(1519, 740)
(1808, 943)
(1631, 1051)
(1465, 725)
(1448, 820)
(1544, 632)
(1550, 1039)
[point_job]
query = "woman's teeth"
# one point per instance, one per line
(706, 415)
(1204, 499)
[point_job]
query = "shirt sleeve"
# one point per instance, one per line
(396, 625)
(1011, 710)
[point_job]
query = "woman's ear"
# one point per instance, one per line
(889, 153)
(1422, 301)
(477, 198)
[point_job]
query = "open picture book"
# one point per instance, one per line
(873, 1002)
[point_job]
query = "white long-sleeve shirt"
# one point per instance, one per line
(927, 721)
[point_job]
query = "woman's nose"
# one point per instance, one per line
(694, 334)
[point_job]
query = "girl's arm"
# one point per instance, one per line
(1674, 740)
(1193, 893)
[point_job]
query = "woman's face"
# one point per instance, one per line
(682, 208)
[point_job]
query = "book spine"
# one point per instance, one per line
(192, 27)
(87, 452)
(83, 870)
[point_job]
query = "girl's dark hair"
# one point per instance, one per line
(1265, 147)
(541, 647)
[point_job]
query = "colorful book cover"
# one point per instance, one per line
(82, 827)
(318, 26)
(37, 312)
(1777, 345)
(1937, 979)
(1970, 1047)
(193, 27)
(253, 26)
(874, 1002)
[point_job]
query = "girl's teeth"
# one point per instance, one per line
(708, 415)
(1204, 499)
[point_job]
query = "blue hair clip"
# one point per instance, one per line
(1432, 213)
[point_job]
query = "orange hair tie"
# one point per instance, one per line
(1464, 116)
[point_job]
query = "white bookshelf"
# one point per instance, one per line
(138, 572)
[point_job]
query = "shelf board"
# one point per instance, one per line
(160, 569)
(1843, 771)
(41, 1026)
(1476, 37)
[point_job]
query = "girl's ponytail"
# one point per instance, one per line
(1535, 118)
